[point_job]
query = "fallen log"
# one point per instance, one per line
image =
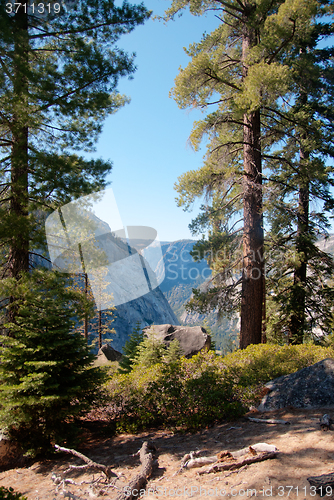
(268, 420)
(137, 485)
(324, 484)
(220, 466)
(258, 447)
(89, 463)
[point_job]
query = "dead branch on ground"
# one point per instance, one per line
(139, 482)
(268, 420)
(89, 463)
(324, 484)
(232, 465)
(325, 422)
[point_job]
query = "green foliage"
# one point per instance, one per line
(10, 494)
(150, 351)
(130, 349)
(69, 65)
(251, 368)
(197, 392)
(46, 377)
(190, 393)
(173, 352)
(284, 73)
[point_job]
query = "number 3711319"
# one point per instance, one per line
(34, 8)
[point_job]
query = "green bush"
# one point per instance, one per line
(197, 392)
(190, 393)
(10, 494)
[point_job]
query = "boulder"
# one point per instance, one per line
(106, 353)
(192, 339)
(310, 387)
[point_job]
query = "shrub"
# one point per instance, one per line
(130, 349)
(191, 393)
(251, 368)
(197, 392)
(10, 494)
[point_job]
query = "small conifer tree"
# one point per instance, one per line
(150, 351)
(173, 352)
(130, 349)
(46, 373)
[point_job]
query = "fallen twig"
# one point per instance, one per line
(268, 420)
(219, 466)
(324, 484)
(325, 422)
(89, 463)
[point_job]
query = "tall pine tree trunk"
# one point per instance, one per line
(100, 329)
(19, 243)
(298, 299)
(253, 240)
(18, 258)
(298, 296)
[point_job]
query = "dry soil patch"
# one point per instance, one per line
(304, 450)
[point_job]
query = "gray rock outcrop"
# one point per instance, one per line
(192, 339)
(107, 353)
(310, 387)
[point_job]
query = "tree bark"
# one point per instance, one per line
(252, 296)
(100, 329)
(139, 482)
(298, 302)
(19, 243)
(85, 275)
(298, 298)
(18, 257)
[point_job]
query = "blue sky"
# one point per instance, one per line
(147, 139)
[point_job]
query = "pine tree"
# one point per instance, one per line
(59, 74)
(46, 374)
(173, 353)
(150, 351)
(237, 68)
(59, 78)
(301, 199)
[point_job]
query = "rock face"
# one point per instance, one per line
(311, 387)
(192, 339)
(146, 310)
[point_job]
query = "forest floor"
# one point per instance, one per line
(304, 450)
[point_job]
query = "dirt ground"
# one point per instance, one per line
(304, 450)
